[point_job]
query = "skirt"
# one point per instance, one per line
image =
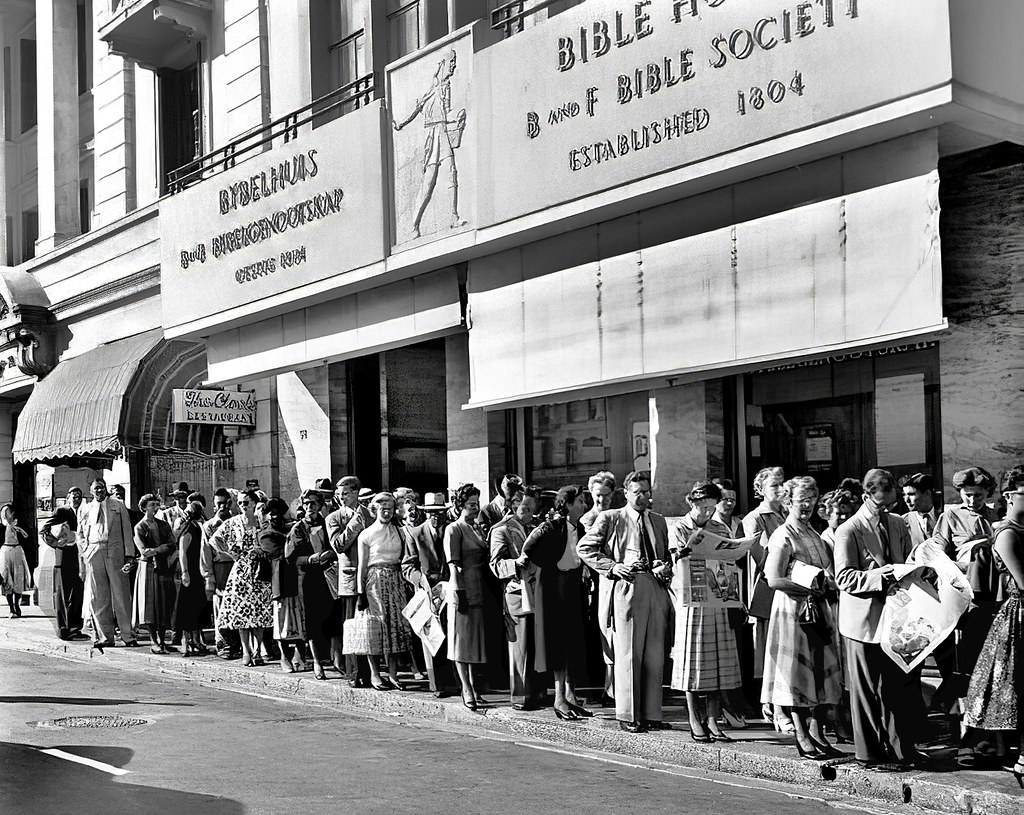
(189, 605)
(247, 601)
(153, 601)
(385, 595)
(801, 667)
(289, 619)
(467, 635)
(997, 684)
(705, 656)
(14, 573)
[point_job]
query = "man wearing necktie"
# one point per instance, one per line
(883, 706)
(919, 496)
(629, 546)
(108, 548)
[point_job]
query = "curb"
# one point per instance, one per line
(920, 790)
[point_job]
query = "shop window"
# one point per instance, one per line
(29, 114)
(571, 441)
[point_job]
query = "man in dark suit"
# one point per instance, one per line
(630, 547)
(883, 706)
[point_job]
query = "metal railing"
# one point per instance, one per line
(508, 18)
(342, 100)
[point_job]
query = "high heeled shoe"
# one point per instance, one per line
(580, 711)
(734, 720)
(469, 703)
(699, 735)
(813, 754)
(828, 750)
(783, 724)
(566, 715)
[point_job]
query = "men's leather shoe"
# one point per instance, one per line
(658, 725)
(103, 644)
(917, 761)
(880, 766)
(132, 644)
(441, 694)
(632, 727)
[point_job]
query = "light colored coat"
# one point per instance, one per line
(859, 557)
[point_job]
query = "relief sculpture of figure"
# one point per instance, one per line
(443, 136)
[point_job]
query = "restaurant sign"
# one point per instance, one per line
(192, 406)
(611, 91)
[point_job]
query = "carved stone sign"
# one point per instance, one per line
(308, 209)
(192, 406)
(612, 91)
(432, 122)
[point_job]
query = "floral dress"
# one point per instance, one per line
(247, 601)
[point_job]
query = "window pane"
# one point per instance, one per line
(404, 31)
(28, 85)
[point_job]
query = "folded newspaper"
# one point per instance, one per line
(423, 619)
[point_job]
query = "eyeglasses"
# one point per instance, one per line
(244, 503)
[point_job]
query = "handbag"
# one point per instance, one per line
(809, 615)
(363, 635)
(761, 599)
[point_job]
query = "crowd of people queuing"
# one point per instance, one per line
(552, 573)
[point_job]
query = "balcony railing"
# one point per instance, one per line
(342, 100)
(508, 18)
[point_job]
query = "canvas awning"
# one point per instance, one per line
(108, 399)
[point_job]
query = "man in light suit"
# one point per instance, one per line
(883, 706)
(630, 547)
(343, 528)
(108, 548)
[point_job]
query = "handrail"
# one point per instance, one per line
(509, 17)
(357, 93)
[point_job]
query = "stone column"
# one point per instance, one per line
(679, 448)
(467, 429)
(5, 115)
(57, 94)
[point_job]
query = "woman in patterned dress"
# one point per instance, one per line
(802, 673)
(705, 658)
(153, 603)
(995, 698)
(247, 604)
(380, 585)
(468, 556)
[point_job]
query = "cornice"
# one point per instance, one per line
(106, 294)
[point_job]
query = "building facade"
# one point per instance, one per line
(438, 241)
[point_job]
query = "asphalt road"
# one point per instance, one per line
(202, 751)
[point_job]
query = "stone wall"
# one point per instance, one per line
(982, 359)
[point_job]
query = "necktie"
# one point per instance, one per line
(101, 520)
(929, 524)
(883, 534)
(645, 542)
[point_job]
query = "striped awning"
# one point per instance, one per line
(109, 399)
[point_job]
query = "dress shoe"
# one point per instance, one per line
(132, 644)
(103, 644)
(441, 694)
(632, 727)
(917, 761)
(581, 711)
(650, 725)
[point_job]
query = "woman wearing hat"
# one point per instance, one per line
(154, 583)
(380, 586)
(191, 597)
(247, 602)
(706, 656)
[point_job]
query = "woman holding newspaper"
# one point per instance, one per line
(802, 672)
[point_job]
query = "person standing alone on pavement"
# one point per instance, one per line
(630, 547)
(108, 548)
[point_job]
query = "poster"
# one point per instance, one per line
(710, 576)
(899, 420)
(918, 615)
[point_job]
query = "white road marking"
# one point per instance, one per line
(88, 762)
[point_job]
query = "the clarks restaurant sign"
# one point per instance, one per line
(612, 91)
(308, 209)
(195, 406)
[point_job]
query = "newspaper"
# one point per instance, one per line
(423, 619)
(918, 615)
(710, 576)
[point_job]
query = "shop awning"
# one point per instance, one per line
(859, 271)
(108, 399)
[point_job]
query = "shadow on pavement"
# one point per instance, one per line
(82, 700)
(45, 785)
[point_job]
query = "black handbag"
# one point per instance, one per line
(810, 616)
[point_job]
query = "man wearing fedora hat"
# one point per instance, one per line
(174, 513)
(424, 566)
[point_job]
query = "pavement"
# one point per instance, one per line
(757, 752)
